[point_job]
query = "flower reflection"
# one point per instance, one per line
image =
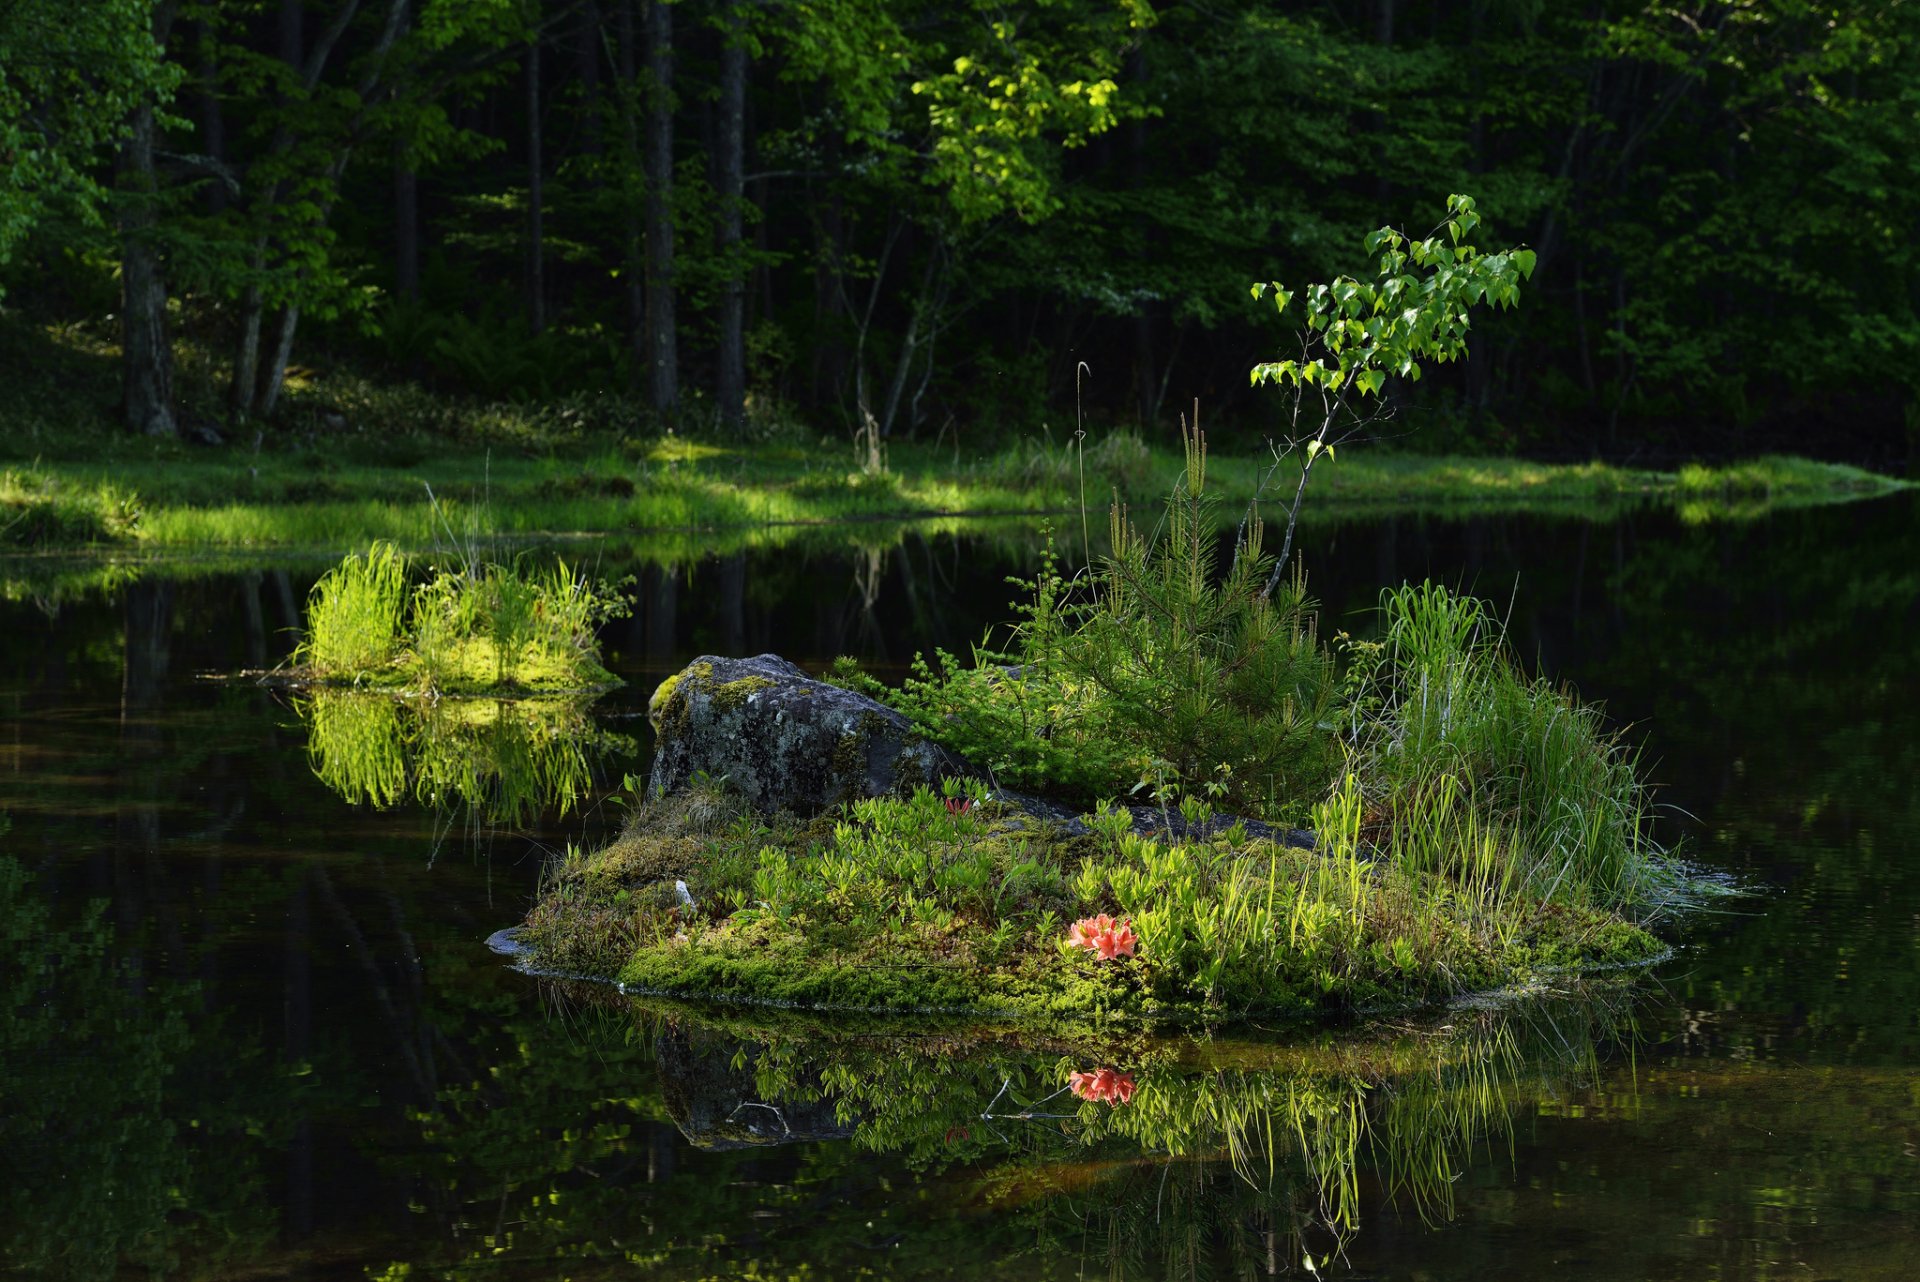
(1103, 1086)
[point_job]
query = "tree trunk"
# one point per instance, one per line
(146, 351)
(274, 376)
(663, 358)
(213, 124)
(732, 174)
(634, 271)
(536, 239)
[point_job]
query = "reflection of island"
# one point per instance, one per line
(506, 760)
(1153, 1153)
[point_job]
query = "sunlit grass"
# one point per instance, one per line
(467, 628)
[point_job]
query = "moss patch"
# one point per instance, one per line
(921, 905)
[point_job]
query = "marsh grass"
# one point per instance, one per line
(472, 628)
(39, 508)
(1499, 782)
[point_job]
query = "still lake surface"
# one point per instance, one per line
(254, 1029)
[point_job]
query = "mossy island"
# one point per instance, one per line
(1166, 802)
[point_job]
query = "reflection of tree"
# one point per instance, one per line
(1787, 657)
(506, 761)
(109, 1094)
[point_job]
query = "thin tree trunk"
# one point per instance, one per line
(635, 272)
(922, 314)
(1143, 379)
(663, 358)
(244, 377)
(536, 238)
(274, 377)
(146, 350)
(732, 389)
(213, 124)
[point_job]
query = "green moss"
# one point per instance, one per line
(733, 694)
(905, 905)
(849, 761)
(668, 709)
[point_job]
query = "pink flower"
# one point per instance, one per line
(959, 805)
(1105, 936)
(1107, 1086)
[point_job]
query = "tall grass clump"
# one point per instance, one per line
(354, 615)
(469, 629)
(1475, 771)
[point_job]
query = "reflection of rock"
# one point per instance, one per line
(717, 1106)
(784, 740)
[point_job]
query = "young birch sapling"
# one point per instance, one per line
(1358, 334)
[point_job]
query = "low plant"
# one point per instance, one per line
(915, 903)
(471, 628)
(38, 509)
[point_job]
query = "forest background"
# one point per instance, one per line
(793, 219)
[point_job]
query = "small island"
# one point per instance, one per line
(1169, 801)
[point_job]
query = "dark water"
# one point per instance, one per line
(253, 1029)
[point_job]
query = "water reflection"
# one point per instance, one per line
(278, 1045)
(503, 762)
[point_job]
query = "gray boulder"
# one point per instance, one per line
(788, 741)
(784, 740)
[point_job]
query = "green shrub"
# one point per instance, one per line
(1166, 673)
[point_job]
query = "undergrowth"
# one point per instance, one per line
(951, 901)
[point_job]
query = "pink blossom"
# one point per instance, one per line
(1105, 936)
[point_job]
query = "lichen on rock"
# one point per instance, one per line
(783, 740)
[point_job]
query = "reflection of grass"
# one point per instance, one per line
(1286, 1132)
(508, 761)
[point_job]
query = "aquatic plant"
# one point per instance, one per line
(1498, 782)
(470, 628)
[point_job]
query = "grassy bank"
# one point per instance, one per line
(173, 499)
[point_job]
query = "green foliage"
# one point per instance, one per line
(1474, 771)
(1172, 676)
(1358, 333)
(475, 628)
(37, 509)
(70, 75)
(951, 901)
